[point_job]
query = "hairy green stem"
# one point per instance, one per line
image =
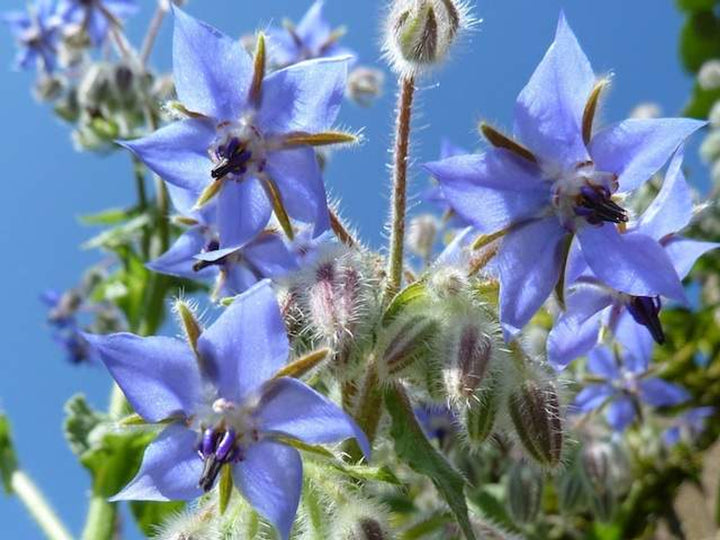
(38, 507)
(399, 196)
(101, 522)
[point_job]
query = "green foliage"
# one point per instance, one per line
(699, 39)
(411, 295)
(413, 448)
(8, 459)
(701, 102)
(80, 420)
(696, 5)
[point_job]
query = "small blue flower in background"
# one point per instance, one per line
(226, 409)
(312, 38)
(590, 304)
(559, 180)
(96, 16)
(36, 33)
(437, 421)
(196, 254)
(62, 316)
(625, 382)
(245, 137)
(687, 426)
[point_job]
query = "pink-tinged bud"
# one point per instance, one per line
(470, 362)
(524, 492)
(535, 413)
(407, 340)
(369, 529)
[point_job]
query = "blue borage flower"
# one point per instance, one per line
(437, 421)
(224, 406)
(36, 33)
(62, 316)
(196, 254)
(313, 37)
(561, 180)
(687, 426)
(591, 304)
(625, 381)
(435, 195)
(248, 139)
(96, 16)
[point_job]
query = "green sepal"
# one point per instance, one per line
(225, 488)
(414, 293)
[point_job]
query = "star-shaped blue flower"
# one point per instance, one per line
(248, 139)
(66, 333)
(36, 33)
(196, 254)
(591, 304)
(225, 407)
(313, 37)
(626, 382)
(687, 426)
(96, 16)
(560, 179)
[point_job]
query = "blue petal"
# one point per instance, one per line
(631, 263)
(178, 153)
(98, 25)
(158, 375)
(180, 258)
(212, 72)
(247, 344)
(290, 407)
(270, 256)
(303, 97)
(684, 252)
(592, 397)
(638, 343)
(636, 149)
(576, 332)
(601, 362)
(448, 149)
(313, 29)
(671, 436)
(659, 393)
(236, 279)
(549, 110)
(243, 212)
(491, 190)
(299, 180)
(456, 252)
(170, 469)
(529, 264)
(672, 208)
(270, 478)
(620, 413)
(121, 8)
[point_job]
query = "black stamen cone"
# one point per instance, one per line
(211, 470)
(597, 206)
(646, 311)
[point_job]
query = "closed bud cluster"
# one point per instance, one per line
(420, 33)
(524, 492)
(534, 408)
(365, 85)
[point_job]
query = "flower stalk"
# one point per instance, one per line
(38, 507)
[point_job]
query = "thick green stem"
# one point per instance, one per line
(101, 522)
(399, 197)
(38, 507)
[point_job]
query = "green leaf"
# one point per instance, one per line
(413, 448)
(225, 488)
(489, 501)
(149, 514)
(79, 422)
(8, 459)
(696, 5)
(118, 236)
(701, 102)
(699, 40)
(111, 216)
(417, 292)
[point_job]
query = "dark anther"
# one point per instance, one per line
(596, 205)
(233, 158)
(646, 311)
(212, 245)
(216, 449)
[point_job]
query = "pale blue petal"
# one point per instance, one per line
(121, 8)
(158, 375)
(684, 252)
(170, 469)
(270, 478)
(592, 397)
(672, 208)
(638, 343)
(631, 263)
(243, 212)
(636, 149)
(529, 264)
(456, 253)
(549, 110)
(313, 29)
(602, 362)
(178, 153)
(270, 256)
(299, 180)
(290, 407)
(212, 72)
(448, 149)
(236, 279)
(657, 392)
(620, 413)
(247, 344)
(180, 258)
(304, 97)
(491, 190)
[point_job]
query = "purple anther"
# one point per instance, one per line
(646, 311)
(207, 446)
(225, 446)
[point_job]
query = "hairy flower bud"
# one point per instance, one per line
(603, 470)
(361, 520)
(571, 491)
(646, 111)
(368, 529)
(535, 412)
(710, 148)
(420, 33)
(709, 75)
(421, 235)
(524, 492)
(469, 363)
(481, 414)
(365, 85)
(406, 340)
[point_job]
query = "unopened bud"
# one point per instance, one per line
(447, 283)
(421, 32)
(469, 363)
(571, 491)
(646, 111)
(407, 340)
(368, 529)
(365, 85)
(48, 88)
(709, 75)
(710, 147)
(524, 489)
(597, 465)
(481, 414)
(421, 235)
(535, 412)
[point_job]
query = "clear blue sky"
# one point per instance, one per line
(47, 184)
